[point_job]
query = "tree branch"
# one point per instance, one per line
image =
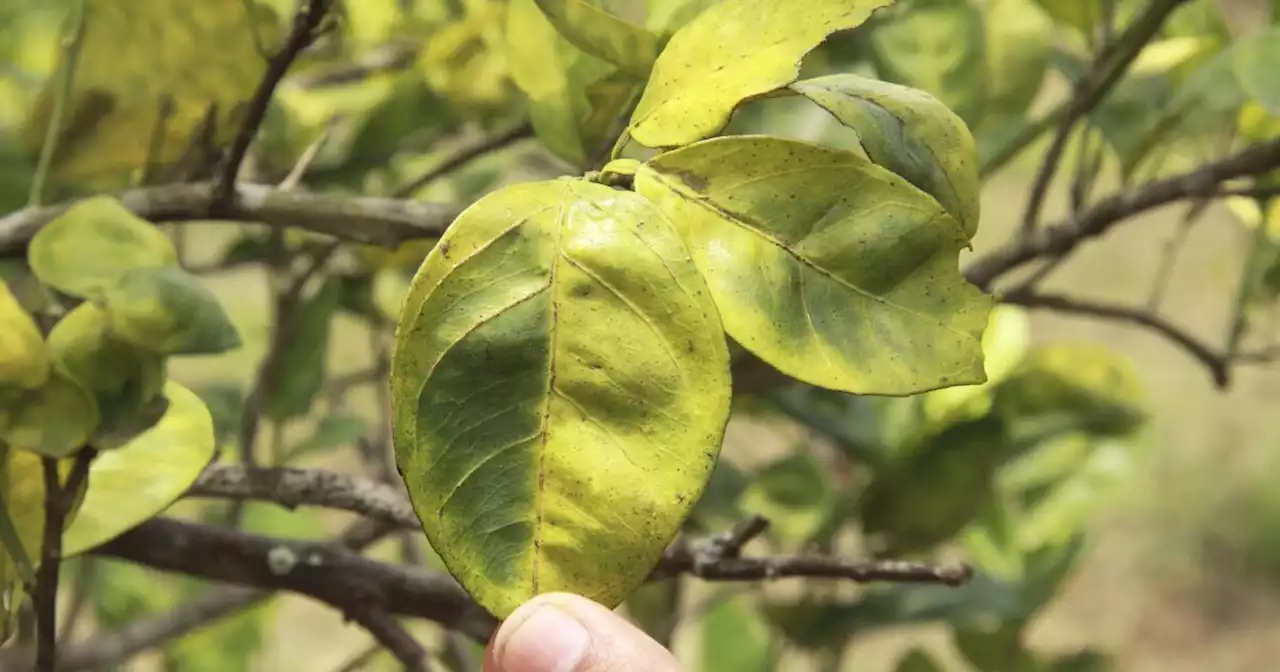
(376, 221)
(1061, 239)
(305, 23)
(59, 497)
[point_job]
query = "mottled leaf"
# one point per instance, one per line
(123, 378)
(606, 36)
(733, 51)
(909, 132)
(168, 311)
(832, 269)
(24, 358)
(143, 477)
(936, 46)
(55, 419)
(146, 75)
(575, 466)
(93, 244)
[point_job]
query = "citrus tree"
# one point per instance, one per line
(522, 263)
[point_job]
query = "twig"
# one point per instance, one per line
(1217, 363)
(59, 497)
(1061, 239)
(1169, 256)
(377, 221)
(70, 53)
(1089, 91)
(305, 23)
(388, 57)
(465, 154)
(393, 637)
(295, 175)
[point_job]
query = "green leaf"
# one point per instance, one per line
(303, 364)
(93, 244)
(142, 478)
(1257, 60)
(832, 269)
(736, 637)
(54, 420)
(606, 401)
(937, 47)
(998, 648)
(717, 61)
(1068, 508)
(1019, 41)
(1088, 385)
(718, 507)
(124, 379)
(793, 493)
(1083, 15)
(574, 97)
(333, 431)
(909, 132)
(24, 358)
(917, 660)
(168, 311)
(664, 17)
(655, 607)
(126, 67)
(603, 35)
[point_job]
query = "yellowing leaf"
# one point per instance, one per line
(93, 244)
(603, 35)
(936, 46)
(574, 97)
(909, 132)
(145, 77)
(55, 419)
(732, 51)
(142, 478)
(22, 491)
(827, 266)
(166, 310)
(667, 16)
(24, 359)
(124, 379)
(560, 391)
(464, 61)
(1004, 344)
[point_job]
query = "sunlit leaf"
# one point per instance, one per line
(1257, 60)
(123, 378)
(575, 466)
(716, 62)
(909, 132)
(302, 365)
(168, 311)
(146, 75)
(93, 244)
(143, 477)
(54, 420)
(574, 97)
(611, 38)
(834, 270)
(24, 358)
(937, 47)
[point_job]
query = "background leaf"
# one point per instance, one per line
(24, 358)
(602, 34)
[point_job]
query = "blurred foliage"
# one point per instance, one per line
(1010, 473)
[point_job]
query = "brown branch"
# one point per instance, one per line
(393, 637)
(463, 155)
(1090, 91)
(1063, 238)
(1217, 362)
(59, 497)
(305, 23)
(377, 221)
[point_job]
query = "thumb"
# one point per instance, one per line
(560, 632)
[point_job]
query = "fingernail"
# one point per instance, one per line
(546, 640)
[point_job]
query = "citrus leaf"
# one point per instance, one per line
(794, 494)
(93, 244)
(143, 477)
(168, 311)
(1019, 40)
(909, 132)
(560, 391)
(1257, 59)
(603, 35)
(667, 16)
(732, 51)
(832, 269)
(22, 492)
(735, 636)
(146, 75)
(54, 420)
(1090, 385)
(124, 379)
(301, 367)
(24, 358)
(936, 47)
(574, 97)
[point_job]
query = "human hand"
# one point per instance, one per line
(560, 632)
